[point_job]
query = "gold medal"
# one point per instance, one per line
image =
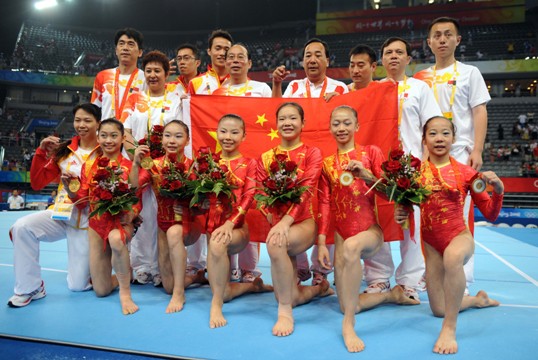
(346, 178)
(478, 185)
(74, 185)
(146, 163)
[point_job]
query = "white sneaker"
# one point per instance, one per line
(142, 278)
(22, 300)
(235, 275)
(378, 288)
(422, 283)
(157, 281)
(247, 276)
(410, 292)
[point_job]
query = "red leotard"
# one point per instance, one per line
(242, 174)
(353, 211)
(165, 205)
(442, 212)
(104, 224)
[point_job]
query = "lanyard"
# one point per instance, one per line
(118, 107)
(402, 94)
(451, 82)
(163, 110)
(323, 88)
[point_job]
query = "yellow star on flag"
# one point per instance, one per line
(261, 119)
(273, 134)
(213, 134)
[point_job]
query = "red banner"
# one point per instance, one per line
(378, 118)
(524, 185)
(418, 17)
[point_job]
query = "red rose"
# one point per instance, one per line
(172, 157)
(105, 195)
(216, 157)
(204, 150)
(403, 183)
(203, 167)
(114, 168)
(101, 174)
(281, 157)
(165, 183)
(223, 168)
(270, 184)
(158, 128)
(103, 161)
(155, 139)
(165, 171)
(123, 187)
(180, 167)
(274, 167)
(192, 176)
(176, 184)
(396, 154)
(216, 175)
(155, 154)
(415, 162)
(392, 166)
(290, 166)
(142, 141)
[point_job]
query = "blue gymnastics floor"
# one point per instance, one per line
(506, 267)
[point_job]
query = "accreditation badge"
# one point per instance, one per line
(63, 206)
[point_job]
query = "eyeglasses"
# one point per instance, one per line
(186, 58)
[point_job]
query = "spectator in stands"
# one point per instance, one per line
(362, 65)
(417, 105)
(506, 153)
(515, 150)
(15, 201)
(112, 87)
(462, 95)
(500, 132)
(534, 131)
(187, 62)
(316, 85)
(218, 44)
(492, 154)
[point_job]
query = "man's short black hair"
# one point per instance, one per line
(317, 40)
(364, 49)
(131, 34)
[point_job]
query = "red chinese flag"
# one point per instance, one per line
(376, 106)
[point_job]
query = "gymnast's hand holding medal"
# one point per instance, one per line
(481, 181)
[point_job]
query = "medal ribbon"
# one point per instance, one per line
(118, 107)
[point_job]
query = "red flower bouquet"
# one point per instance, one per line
(154, 140)
(401, 180)
(208, 178)
(112, 193)
(175, 181)
(281, 186)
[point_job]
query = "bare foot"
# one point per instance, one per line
(446, 342)
(216, 318)
(176, 303)
(325, 289)
(352, 341)
(259, 286)
(283, 326)
(128, 306)
(398, 296)
(483, 300)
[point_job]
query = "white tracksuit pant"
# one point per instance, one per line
(28, 232)
(144, 244)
